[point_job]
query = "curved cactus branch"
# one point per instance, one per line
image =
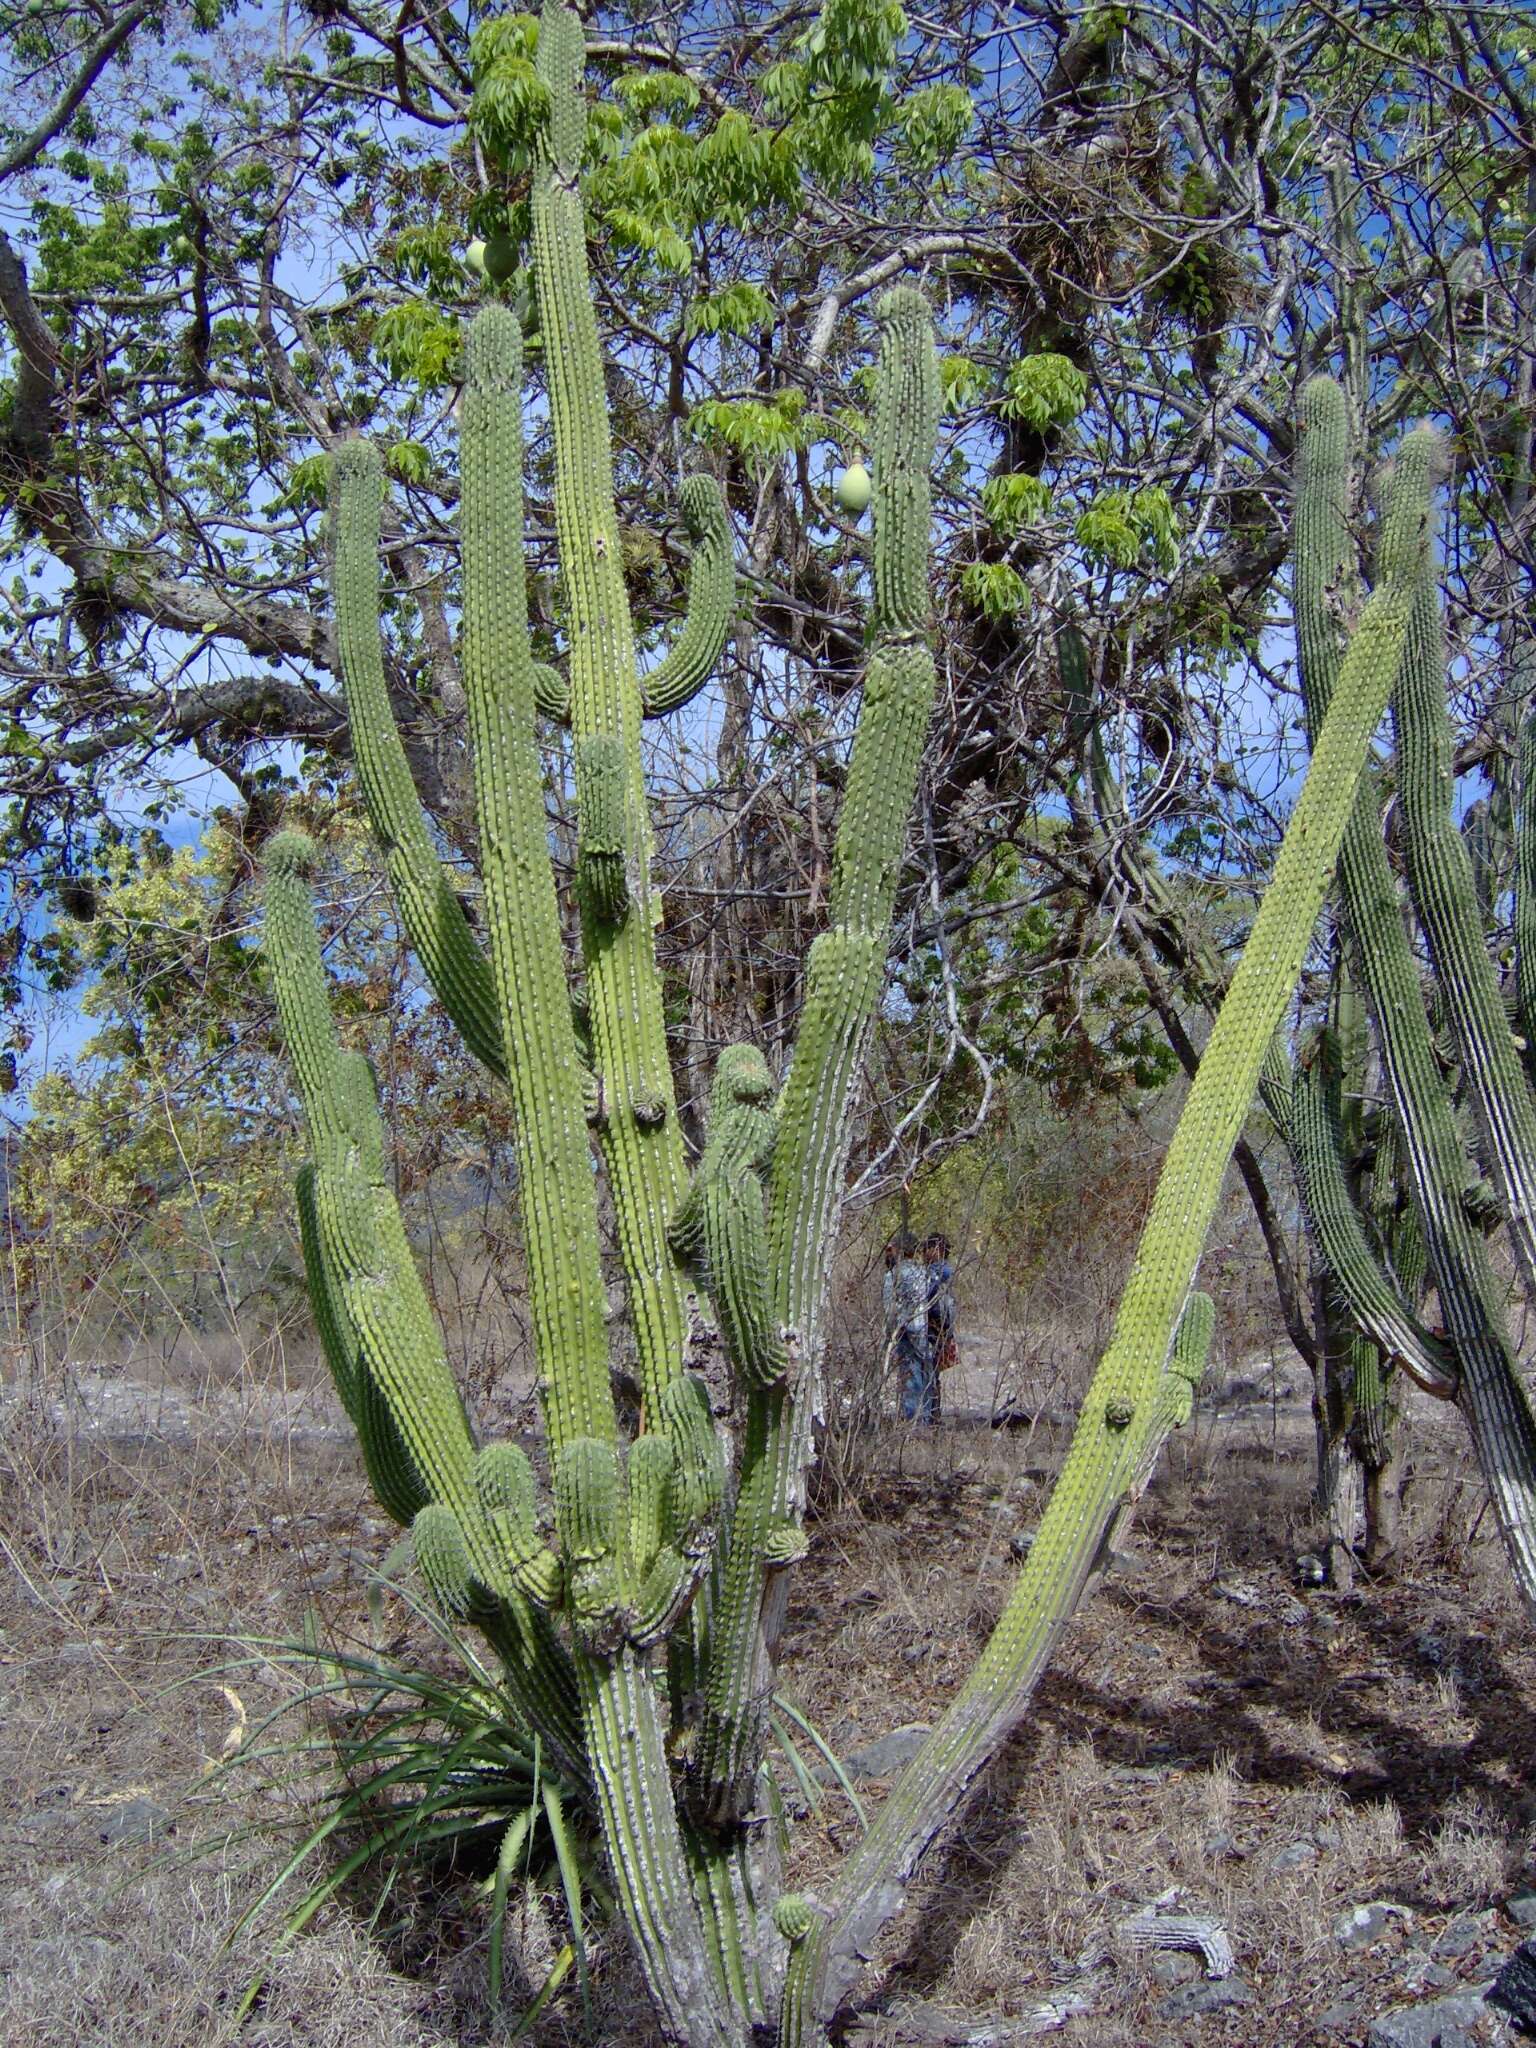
(719, 1230)
(551, 692)
(368, 1262)
(429, 905)
(1369, 1292)
(392, 1473)
(690, 661)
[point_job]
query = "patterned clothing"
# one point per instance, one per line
(905, 1294)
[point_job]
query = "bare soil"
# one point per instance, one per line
(1268, 1752)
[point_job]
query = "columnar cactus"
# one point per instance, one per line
(1487, 1382)
(654, 1707)
(1441, 882)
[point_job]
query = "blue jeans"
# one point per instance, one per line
(919, 1381)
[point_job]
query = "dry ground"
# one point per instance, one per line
(1206, 1715)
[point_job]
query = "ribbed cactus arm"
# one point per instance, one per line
(1444, 894)
(429, 905)
(638, 1132)
(1369, 1291)
(1125, 1401)
(367, 1260)
(847, 964)
(1490, 1389)
(690, 661)
(1525, 872)
(391, 1471)
(846, 973)
(555, 1176)
(291, 945)
(551, 692)
(719, 1229)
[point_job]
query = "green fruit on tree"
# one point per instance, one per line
(854, 488)
(500, 258)
(474, 258)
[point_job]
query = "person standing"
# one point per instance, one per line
(905, 1294)
(939, 1295)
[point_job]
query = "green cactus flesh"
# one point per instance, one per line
(720, 1227)
(690, 661)
(1445, 896)
(1490, 1389)
(429, 904)
(643, 1156)
(1368, 1289)
(544, 1069)
(845, 974)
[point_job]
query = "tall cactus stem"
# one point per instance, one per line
(1445, 896)
(1124, 1402)
(643, 1153)
(555, 1172)
(1490, 1389)
(429, 905)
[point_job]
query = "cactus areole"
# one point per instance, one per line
(653, 1702)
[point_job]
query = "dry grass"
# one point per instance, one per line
(1203, 1716)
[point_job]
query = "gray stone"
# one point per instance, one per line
(1297, 1856)
(1420, 1973)
(1363, 1926)
(1460, 1936)
(1441, 2023)
(136, 1820)
(887, 1754)
(1514, 1989)
(1209, 1995)
(1521, 1907)
(1170, 1967)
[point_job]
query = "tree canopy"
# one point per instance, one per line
(234, 236)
